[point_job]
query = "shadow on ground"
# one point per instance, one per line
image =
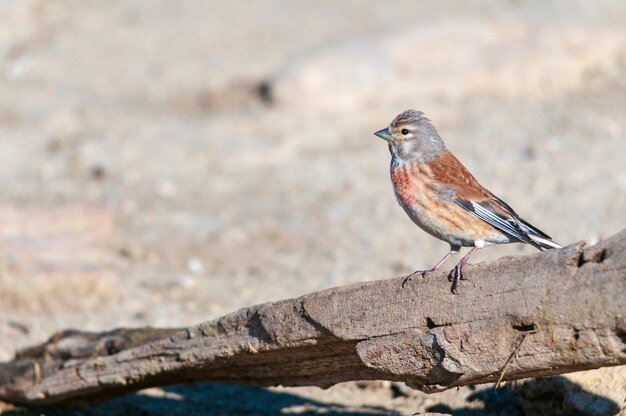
(556, 396)
(208, 399)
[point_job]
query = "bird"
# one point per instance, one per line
(444, 199)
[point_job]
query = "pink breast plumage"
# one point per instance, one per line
(404, 186)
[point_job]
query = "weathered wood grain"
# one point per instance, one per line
(570, 304)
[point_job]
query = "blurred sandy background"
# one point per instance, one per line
(163, 163)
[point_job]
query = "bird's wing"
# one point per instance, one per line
(455, 181)
(492, 213)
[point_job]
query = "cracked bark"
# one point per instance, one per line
(569, 302)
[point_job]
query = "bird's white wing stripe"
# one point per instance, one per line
(495, 220)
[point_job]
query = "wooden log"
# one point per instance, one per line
(548, 313)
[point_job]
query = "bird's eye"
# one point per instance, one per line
(404, 132)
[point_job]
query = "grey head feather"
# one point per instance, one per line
(409, 117)
(423, 142)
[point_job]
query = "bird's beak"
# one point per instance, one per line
(384, 134)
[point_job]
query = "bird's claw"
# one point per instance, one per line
(455, 276)
(407, 279)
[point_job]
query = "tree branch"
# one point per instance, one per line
(567, 305)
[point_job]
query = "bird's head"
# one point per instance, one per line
(411, 136)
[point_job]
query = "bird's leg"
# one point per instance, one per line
(424, 273)
(457, 272)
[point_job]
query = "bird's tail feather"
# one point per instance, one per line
(544, 242)
(542, 239)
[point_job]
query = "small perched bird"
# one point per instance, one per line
(440, 195)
